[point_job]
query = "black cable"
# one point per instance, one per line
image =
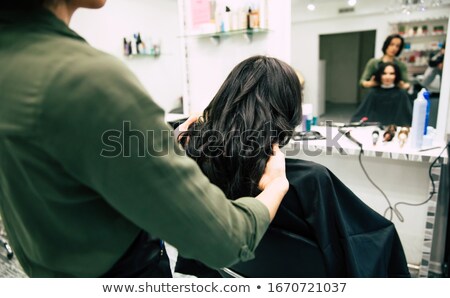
(361, 152)
(377, 187)
(432, 192)
(394, 210)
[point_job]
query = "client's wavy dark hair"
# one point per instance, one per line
(382, 66)
(259, 104)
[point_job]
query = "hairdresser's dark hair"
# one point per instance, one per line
(259, 104)
(388, 41)
(26, 4)
(382, 67)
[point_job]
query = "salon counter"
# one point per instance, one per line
(402, 174)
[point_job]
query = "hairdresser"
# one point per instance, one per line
(91, 180)
(392, 47)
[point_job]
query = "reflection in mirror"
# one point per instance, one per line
(158, 24)
(332, 44)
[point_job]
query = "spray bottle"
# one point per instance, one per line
(418, 120)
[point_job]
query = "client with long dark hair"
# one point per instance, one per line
(259, 105)
(386, 103)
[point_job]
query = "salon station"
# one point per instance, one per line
(182, 51)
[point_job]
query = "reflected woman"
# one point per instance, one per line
(392, 47)
(386, 103)
(259, 105)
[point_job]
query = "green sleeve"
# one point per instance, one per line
(112, 137)
(403, 71)
(369, 70)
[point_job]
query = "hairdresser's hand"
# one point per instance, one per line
(275, 170)
(185, 125)
(371, 83)
(403, 85)
(273, 183)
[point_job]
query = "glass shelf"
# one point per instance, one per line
(132, 56)
(216, 36)
(425, 36)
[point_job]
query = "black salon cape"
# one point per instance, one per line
(387, 106)
(355, 240)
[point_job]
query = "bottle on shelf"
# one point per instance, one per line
(425, 30)
(427, 114)
(126, 50)
(212, 11)
(263, 17)
(226, 20)
(242, 18)
(418, 120)
(252, 18)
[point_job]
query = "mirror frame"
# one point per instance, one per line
(443, 125)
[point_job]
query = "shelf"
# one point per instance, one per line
(216, 36)
(133, 56)
(435, 30)
(428, 36)
(428, 50)
(422, 21)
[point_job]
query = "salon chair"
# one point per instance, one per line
(281, 254)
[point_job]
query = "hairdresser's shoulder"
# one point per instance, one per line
(373, 62)
(78, 56)
(90, 72)
(82, 74)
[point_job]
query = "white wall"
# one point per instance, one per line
(208, 64)
(368, 15)
(105, 29)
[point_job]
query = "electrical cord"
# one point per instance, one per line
(392, 209)
(432, 192)
(361, 152)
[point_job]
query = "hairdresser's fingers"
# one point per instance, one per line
(275, 168)
(185, 125)
(192, 119)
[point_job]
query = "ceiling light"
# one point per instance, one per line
(351, 2)
(311, 7)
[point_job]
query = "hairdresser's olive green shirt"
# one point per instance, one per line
(86, 162)
(372, 68)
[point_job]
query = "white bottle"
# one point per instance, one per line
(418, 120)
(263, 18)
(226, 20)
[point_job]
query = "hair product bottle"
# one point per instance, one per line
(418, 120)
(226, 20)
(427, 114)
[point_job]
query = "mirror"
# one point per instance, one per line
(353, 35)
